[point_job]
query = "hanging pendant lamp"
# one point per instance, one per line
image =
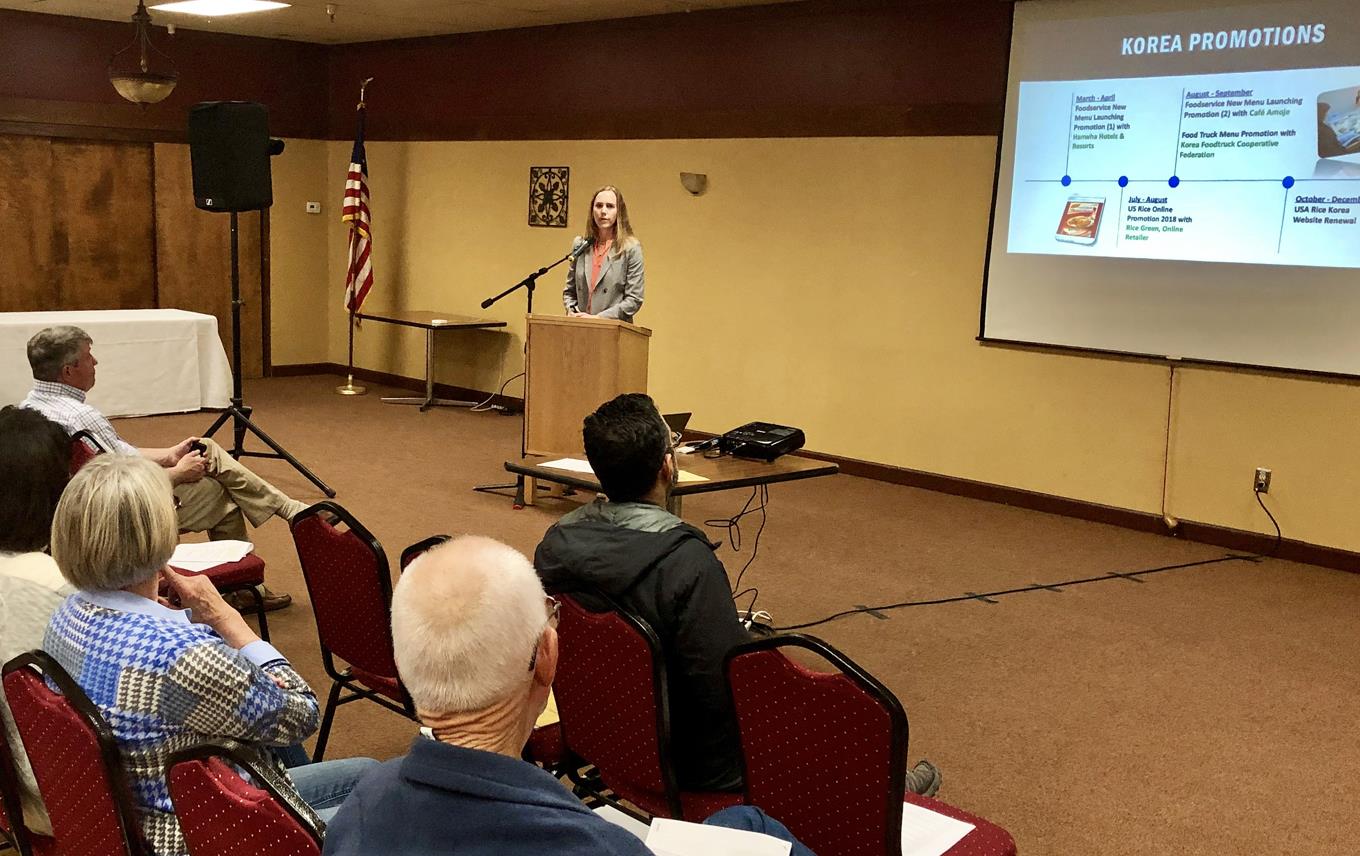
(131, 72)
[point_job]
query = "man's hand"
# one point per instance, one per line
(175, 453)
(189, 469)
(206, 606)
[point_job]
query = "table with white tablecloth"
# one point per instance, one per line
(150, 360)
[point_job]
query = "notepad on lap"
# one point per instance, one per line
(199, 557)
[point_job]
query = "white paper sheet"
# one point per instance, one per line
(572, 464)
(929, 833)
(198, 557)
(678, 838)
(577, 465)
(618, 818)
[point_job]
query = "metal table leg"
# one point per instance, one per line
(429, 400)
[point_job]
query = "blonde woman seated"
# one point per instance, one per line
(168, 678)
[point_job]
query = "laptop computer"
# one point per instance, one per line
(676, 422)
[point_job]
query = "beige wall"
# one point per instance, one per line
(300, 281)
(832, 284)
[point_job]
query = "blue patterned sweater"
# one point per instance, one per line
(165, 683)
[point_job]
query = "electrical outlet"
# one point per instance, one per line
(1261, 483)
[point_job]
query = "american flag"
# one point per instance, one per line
(359, 278)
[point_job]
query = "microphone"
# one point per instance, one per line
(580, 249)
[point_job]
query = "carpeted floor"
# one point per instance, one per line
(1207, 710)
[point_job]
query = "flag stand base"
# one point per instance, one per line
(349, 388)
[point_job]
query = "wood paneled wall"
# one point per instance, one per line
(193, 257)
(78, 224)
(112, 225)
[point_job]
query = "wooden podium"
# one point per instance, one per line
(573, 366)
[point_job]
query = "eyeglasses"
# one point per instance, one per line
(554, 607)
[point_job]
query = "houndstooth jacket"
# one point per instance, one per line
(165, 683)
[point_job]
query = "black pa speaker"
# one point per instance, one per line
(229, 147)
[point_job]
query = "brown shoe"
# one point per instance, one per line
(273, 601)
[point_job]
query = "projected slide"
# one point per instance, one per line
(1249, 167)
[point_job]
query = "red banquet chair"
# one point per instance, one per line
(351, 590)
(223, 814)
(416, 550)
(75, 760)
(246, 575)
(84, 446)
(612, 699)
(14, 832)
(826, 753)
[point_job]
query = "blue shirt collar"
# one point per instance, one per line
(123, 601)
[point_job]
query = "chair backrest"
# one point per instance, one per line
(413, 552)
(823, 752)
(75, 760)
(12, 831)
(612, 699)
(223, 814)
(84, 446)
(351, 590)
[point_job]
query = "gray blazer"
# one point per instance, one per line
(618, 294)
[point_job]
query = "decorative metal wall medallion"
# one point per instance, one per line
(548, 195)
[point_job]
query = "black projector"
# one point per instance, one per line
(761, 440)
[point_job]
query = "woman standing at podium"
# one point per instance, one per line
(605, 278)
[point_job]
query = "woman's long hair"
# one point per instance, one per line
(623, 230)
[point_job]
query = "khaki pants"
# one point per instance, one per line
(226, 497)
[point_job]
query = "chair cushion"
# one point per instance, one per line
(389, 687)
(247, 572)
(986, 839)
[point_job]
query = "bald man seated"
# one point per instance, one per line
(475, 639)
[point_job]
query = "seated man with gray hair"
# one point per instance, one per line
(215, 492)
(475, 639)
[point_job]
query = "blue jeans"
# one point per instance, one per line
(324, 785)
(752, 819)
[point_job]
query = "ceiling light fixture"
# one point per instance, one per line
(219, 8)
(131, 72)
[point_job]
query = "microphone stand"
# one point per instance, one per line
(528, 284)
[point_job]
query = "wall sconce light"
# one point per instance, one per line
(130, 69)
(695, 182)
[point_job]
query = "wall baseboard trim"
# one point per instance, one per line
(1237, 540)
(441, 390)
(1204, 533)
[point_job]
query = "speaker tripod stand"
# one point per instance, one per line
(237, 412)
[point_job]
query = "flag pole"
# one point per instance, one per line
(349, 387)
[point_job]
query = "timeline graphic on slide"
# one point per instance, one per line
(1254, 167)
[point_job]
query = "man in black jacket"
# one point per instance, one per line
(663, 569)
